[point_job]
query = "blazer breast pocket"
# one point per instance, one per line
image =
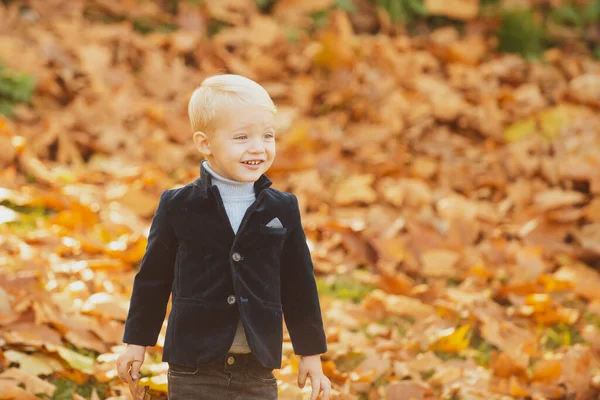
(271, 230)
(271, 242)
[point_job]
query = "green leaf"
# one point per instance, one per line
(397, 11)
(592, 11)
(346, 5)
(343, 287)
(15, 87)
(425, 375)
(320, 18)
(76, 360)
(416, 7)
(521, 33)
(149, 25)
(264, 5)
(560, 335)
(292, 35)
(215, 26)
(64, 390)
(567, 14)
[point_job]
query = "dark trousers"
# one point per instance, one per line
(236, 376)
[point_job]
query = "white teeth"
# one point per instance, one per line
(252, 162)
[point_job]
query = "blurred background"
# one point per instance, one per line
(445, 153)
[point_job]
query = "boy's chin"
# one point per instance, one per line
(250, 176)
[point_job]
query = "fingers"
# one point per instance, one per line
(316, 388)
(128, 369)
(122, 368)
(135, 369)
(320, 384)
(302, 373)
(326, 386)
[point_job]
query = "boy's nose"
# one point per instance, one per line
(256, 149)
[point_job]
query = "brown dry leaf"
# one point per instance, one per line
(397, 283)
(516, 342)
(301, 6)
(32, 383)
(106, 305)
(34, 364)
(408, 390)
(356, 188)
(470, 50)
(138, 392)
(504, 366)
(11, 391)
(588, 236)
(576, 371)
(458, 9)
(446, 101)
(586, 280)
(32, 334)
(440, 263)
(556, 198)
(139, 201)
(592, 210)
(374, 365)
(445, 375)
(396, 304)
(586, 89)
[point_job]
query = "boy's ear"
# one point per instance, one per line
(201, 141)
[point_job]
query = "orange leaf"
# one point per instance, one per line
(546, 370)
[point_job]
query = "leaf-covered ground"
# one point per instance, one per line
(450, 194)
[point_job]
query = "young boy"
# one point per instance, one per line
(233, 253)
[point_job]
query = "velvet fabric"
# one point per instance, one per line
(194, 254)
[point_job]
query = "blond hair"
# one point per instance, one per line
(219, 91)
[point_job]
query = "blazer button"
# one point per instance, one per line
(231, 299)
(236, 256)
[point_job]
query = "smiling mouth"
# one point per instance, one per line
(252, 162)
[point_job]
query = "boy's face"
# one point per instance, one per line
(242, 134)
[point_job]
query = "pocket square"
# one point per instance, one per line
(275, 223)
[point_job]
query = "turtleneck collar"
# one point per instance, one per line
(228, 187)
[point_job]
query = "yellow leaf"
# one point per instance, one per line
(539, 301)
(158, 383)
(552, 284)
(453, 342)
(553, 120)
(334, 52)
(520, 130)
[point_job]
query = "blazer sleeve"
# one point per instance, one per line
(153, 281)
(299, 297)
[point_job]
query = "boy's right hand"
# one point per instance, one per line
(133, 355)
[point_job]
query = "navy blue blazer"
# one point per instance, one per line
(262, 274)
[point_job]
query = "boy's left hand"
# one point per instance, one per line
(311, 366)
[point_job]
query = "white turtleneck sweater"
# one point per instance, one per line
(237, 197)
